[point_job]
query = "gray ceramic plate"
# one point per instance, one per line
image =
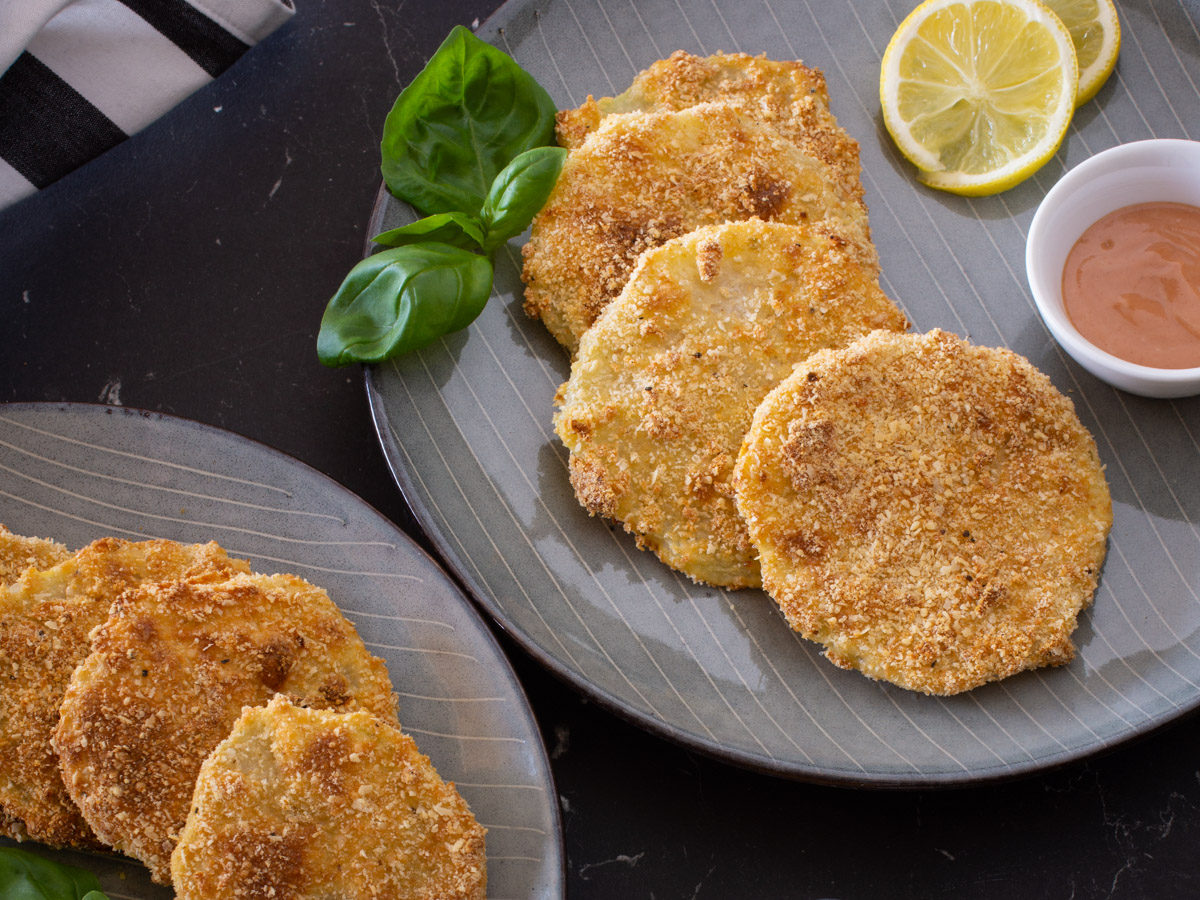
(77, 472)
(466, 425)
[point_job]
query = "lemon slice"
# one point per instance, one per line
(1096, 34)
(978, 94)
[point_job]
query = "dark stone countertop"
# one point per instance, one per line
(186, 270)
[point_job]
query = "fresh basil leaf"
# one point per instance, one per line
(460, 121)
(402, 299)
(453, 228)
(27, 876)
(519, 192)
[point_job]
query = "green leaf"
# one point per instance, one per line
(460, 121)
(27, 876)
(453, 228)
(519, 192)
(400, 300)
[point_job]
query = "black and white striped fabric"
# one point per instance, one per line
(79, 76)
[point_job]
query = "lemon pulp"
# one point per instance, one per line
(978, 94)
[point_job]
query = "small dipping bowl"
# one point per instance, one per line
(1140, 172)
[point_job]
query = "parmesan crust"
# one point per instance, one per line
(666, 382)
(932, 512)
(642, 179)
(168, 675)
(18, 553)
(787, 95)
(312, 804)
(45, 619)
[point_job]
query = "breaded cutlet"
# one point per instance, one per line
(18, 553)
(640, 180)
(45, 619)
(312, 804)
(785, 94)
(932, 512)
(665, 383)
(168, 674)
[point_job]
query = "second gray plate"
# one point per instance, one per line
(76, 473)
(466, 425)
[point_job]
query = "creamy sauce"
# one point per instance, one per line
(1131, 284)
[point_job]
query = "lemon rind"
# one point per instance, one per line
(932, 172)
(1094, 76)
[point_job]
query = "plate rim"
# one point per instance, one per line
(327, 482)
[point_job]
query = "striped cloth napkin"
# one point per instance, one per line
(79, 76)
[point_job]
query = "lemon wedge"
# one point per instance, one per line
(978, 94)
(1096, 34)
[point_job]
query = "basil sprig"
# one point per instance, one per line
(453, 228)
(518, 193)
(402, 299)
(465, 145)
(27, 876)
(460, 121)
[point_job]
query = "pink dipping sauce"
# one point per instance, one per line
(1131, 284)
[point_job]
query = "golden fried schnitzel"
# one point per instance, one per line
(640, 180)
(18, 553)
(311, 804)
(45, 619)
(932, 512)
(787, 95)
(665, 383)
(168, 675)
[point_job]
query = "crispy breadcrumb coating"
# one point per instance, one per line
(932, 512)
(643, 179)
(311, 804)
(45, 619)
(18, 553)
(665, 384)
(785, 94)
(168, 675)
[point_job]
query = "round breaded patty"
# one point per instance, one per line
(643, 179)
(932, 512)
(785, 94)
(168, 675)
(18, 553)
(45, 619)
(310, 805)
(666, 382)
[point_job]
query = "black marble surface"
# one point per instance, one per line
(186, 271)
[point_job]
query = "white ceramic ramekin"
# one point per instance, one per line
(1141, 172)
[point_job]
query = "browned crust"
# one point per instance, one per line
(45, 619)
(932, 512)
(168, 675)
(641, 180)
(309, 804)
(786, 94)
(666, 382)
(18, 553)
